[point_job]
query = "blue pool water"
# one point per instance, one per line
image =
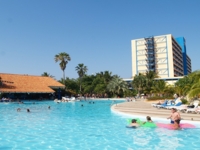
(93, 126)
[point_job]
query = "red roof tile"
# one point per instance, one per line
(14, 83)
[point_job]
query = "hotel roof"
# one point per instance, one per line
(15, 83)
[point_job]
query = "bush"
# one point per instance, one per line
(158, 98)
(184, 101)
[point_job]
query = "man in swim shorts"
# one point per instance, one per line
(175, 118)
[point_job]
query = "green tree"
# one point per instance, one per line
(183, 85)
(45, 74)
(106, 75)
(87, 84)
(159, 87)
(188, 85)
(71, 86)
(130, 93)
(99, 85)
(150, 76)
(169, 90)
(63, 58)
(195, 90)
(139, 83)
(81, 70)
(117, 86)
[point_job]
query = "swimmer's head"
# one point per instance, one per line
(133, 120)
(148, 118)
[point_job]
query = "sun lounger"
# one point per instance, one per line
(174, 106)
(156, 105)
(181, 108)
(169, 103)
(198, 110)
(176, 102)
(195, 109)
(163, 104)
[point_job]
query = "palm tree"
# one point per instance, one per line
(159, 87)
(106, 75)
(139, 83)
(63, 58)
(195, 90)
(117, 86)
(170, 90)
(45, 74)
(150, 76)
(81, 70)
(183, 85)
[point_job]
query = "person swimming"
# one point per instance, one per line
(28, 110)
(49, 107)
(134, 123)
(148, 120)
(18, 109)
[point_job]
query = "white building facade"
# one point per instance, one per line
(161, 54)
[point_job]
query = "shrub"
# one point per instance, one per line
(184, 101)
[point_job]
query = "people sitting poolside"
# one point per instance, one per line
(160, 103)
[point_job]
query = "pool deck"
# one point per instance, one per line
(144, 108)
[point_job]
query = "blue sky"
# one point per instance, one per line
(97, 33)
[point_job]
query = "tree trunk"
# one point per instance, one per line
(80, 84)
(64, 75)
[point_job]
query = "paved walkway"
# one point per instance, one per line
(145, 108)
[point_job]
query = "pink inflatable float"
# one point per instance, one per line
(170, 126)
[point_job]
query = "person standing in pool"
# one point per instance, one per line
(175, 118)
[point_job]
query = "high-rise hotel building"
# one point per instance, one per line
(163, 54)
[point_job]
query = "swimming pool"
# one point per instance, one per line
(91, 126)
